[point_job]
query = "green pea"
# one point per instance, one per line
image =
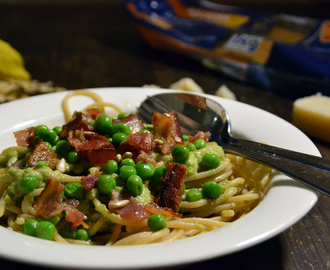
(210, 161)
(67, 232)
(200, 143)
(38, 128)
(63, 147)
(26, 159)
(117, 138)
(103, 124)
(111, 167)
(54, 220)
(145, 131)
(74, 191)
(35, 140)
(194, 195)
(191, 147)
(28, 183)
(145, 170)
(91, 123)
(49, 145)
(157, 222)
(58, 130)
(127, 161)
(180, 153)
(30, 227)
(123, 115)
(121, 128)
(45, 230)
(105, 184)
(211, 190)
(73, 157)
(134, 185)
(41, 164)
(48, 135)
(185, 137)
(156, 180)
(82, 235)
(126, 171)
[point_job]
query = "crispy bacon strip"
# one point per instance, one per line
(154, 208)
(49, 204)
(132, 120)
(90, 181)
(25, 137)
(170, 195)
(92, 147)
(136, 143)
(133, 212)
(78, 121)
(73, 215)
(50, 200)
(93, 113)
(165, 125)
(41, 152)
(200, 135)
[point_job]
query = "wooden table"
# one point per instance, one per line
(95, 44)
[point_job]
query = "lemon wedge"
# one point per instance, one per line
(11, 63)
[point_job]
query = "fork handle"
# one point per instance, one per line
(310, 170)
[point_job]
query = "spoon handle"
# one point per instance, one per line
(310, 170)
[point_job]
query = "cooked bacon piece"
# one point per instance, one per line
(136, 143)
(90, 181)
(168, 145)
(154, 208)
(49, 204)
(25, 137)
(170, 195)
(93, 113)
(133, 212)
(92, 147)
(132, 120)
(73, 215)
(101, 157)
(41, 152)
(78, 121)
(200, 135)
(165, 125)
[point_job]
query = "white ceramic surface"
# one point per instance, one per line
(285, 203)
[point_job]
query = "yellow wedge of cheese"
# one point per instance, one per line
(312, 116)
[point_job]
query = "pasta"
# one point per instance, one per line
(122, 182)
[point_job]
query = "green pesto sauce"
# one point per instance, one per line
(145, 197)
(195, 158)
(12, 178)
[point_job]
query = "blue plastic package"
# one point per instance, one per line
(287, 54)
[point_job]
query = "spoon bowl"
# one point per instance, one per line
(196, 112)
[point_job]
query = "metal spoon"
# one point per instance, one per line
(200, 113)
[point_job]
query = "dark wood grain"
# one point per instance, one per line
(95, 44)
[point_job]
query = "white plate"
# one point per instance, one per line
(285, 203)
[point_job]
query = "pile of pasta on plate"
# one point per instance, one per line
(106, 180)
